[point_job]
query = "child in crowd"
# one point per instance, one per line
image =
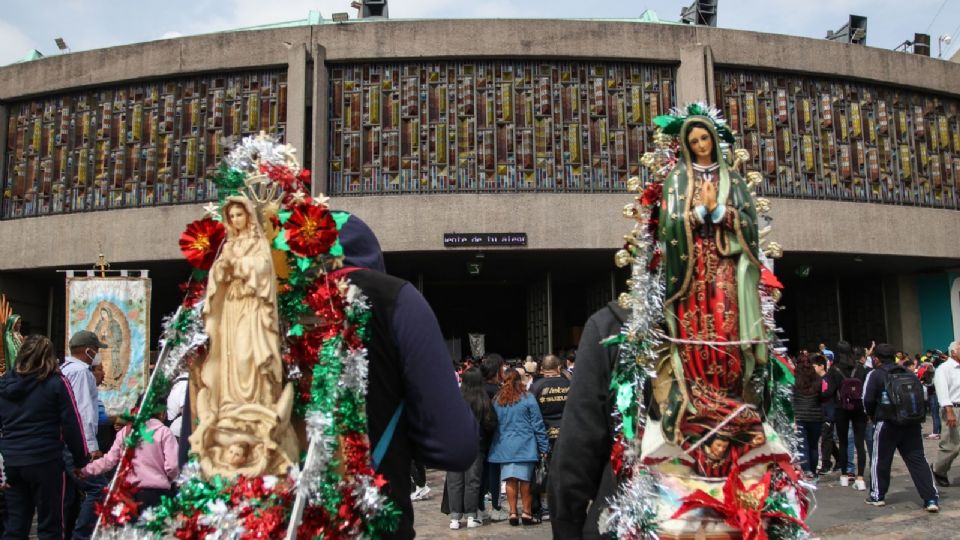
(154, 464)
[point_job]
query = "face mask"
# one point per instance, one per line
(96, 357)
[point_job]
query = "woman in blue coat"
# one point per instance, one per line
(519, 442)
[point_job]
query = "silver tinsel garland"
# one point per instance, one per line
(262, 149)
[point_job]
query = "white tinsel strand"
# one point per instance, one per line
(310, 479)
(354, 372)
(256, 150)
(632, 512)
(225, 521)
(125, 532)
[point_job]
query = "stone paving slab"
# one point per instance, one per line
(841, 513)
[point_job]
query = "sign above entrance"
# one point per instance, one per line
(484, 239)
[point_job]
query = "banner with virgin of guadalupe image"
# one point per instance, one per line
(117, 310)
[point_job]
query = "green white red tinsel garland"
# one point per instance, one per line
(326, 359)
(631, 513)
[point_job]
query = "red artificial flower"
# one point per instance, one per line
(201, 241)
(311, 230)
(247, 489)
(314, 523)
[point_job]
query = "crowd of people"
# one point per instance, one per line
(855, 406)
(518, 407)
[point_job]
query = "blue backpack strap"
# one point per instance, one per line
(385, 439)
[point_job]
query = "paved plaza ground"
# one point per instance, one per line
(841, 513)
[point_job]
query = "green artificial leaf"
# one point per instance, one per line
(280, 242)
(296, 330)
(303, 263)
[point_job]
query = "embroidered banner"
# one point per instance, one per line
(117, 309)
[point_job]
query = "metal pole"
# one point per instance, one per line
(153, 376)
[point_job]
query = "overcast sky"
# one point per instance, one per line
(91, 24)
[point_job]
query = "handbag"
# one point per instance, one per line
(541, 473)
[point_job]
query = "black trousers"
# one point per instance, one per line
(908, 441)
(829, 453)
(35, 488)
(844, 419)
(418, 473)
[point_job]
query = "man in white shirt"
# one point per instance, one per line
(946, 381)
(84, 353)
(175, 402)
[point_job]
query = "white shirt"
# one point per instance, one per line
(946, 380)
(84, 388)
(175, 402)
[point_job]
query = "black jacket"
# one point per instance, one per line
(37, 418)
(580, 469)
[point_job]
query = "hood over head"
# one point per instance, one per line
(13, 387)
(360, 246)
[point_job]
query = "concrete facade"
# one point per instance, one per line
(416, 223)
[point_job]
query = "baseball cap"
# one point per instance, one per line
(86, 338)
(885, 352)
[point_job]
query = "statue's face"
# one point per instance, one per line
(237, 216)
(16, 326)
(236, 455)
(104, 314)
(701, 144)
(719, 447)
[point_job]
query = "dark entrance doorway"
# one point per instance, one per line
(523, 301)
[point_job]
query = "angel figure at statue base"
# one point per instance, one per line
(242, 403)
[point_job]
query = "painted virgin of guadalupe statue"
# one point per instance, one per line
(242, 402)
(712, 306)
(10, 325)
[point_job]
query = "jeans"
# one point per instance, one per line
(809, 445)
(850, 438)
(935, 412)
(463, 489)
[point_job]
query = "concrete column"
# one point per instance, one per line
(4, 112)
(903, 313)
(695, 75)
(321, 119)
(297, 97)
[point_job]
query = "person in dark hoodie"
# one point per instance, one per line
(580, 471)
(409, 366)
(38, 416)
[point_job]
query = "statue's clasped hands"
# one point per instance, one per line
(709, 195)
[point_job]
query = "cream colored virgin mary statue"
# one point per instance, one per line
(242, 404)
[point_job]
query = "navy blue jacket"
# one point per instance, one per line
(409, 364)
(37, 418)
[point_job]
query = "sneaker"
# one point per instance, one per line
(931, 506)
(874, 502)
(483, 516)
(934, 436)
(420, 493)
(844, 480)
(454, 524)
(473, 523)
(860, 485)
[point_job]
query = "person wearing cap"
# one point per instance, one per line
(890, 436)
(85, 353)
